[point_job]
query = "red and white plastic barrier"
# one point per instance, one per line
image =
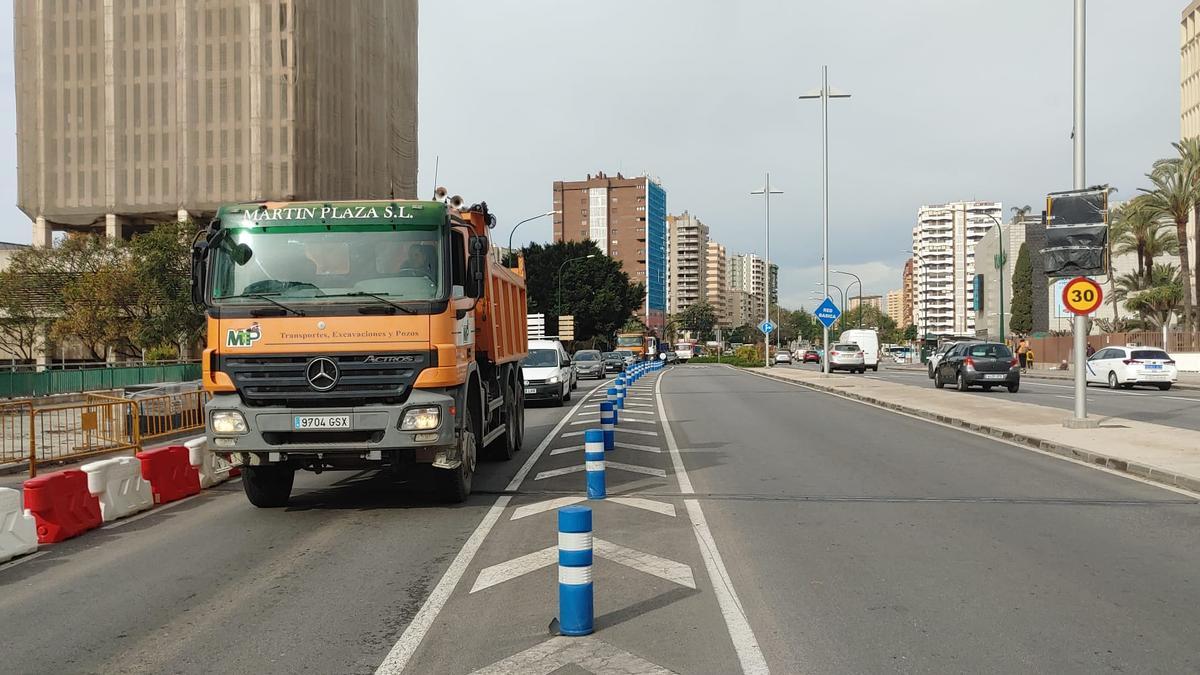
(212, 469)
(119, 486)
(61, 505)
(18, 530)
(170, 472)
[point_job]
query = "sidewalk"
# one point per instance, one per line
(1187, 381)
(1163, 454)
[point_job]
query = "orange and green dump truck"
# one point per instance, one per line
(359, 335)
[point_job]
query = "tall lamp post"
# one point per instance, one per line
(824, 94)
(514, 228)
(1001, 261)
(1080, 419)
(852, 274)
(766, 192)
(558, 303)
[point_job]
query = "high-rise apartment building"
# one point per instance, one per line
(875, 301)
(751, 275)
(745, 308)
(627, 219)
(906, 288)
(687, 249)
(944, 273)
(129, 113)
(716, 284)
(1189, 90)
(894, 306)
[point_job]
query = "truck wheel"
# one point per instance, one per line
(455, 484)
(520, 426)
(268, 487)
(505, 445)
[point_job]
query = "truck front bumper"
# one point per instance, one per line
(373, 428)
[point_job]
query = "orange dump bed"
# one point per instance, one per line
(500, 329)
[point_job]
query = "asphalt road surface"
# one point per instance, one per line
(764, 526)
(1173, 408)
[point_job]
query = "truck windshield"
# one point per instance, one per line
(329, 265)
(629, 341)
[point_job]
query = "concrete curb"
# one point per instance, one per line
(1146, 471)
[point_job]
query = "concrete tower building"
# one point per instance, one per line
(944, 269)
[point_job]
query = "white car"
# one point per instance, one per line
(1126, 366)
(868, 342)
(549, 374)
(783, 357)
(847, 356)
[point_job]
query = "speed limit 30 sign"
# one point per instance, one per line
(1082, 296)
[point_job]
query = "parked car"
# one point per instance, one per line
(783, 357)
(1126, 366)
(811, 356)
(548, 372)
(868, 341)
(589, 363)
(985, 364)
(846, 356)
(613, 362)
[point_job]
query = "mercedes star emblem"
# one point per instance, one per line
(322, 373)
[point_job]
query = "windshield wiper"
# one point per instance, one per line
(379, 297)
(264, 296)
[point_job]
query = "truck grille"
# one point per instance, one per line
(264, 380)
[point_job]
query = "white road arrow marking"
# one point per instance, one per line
(541, 507)
(588, 653)
(635, 446)
(663, 568)
(649, 471)
(619, 430)
(498, 574)
(563, 451)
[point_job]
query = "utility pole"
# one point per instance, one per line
(1080, 419)
(824, 94)
(766, 192)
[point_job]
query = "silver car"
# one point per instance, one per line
(847, 356)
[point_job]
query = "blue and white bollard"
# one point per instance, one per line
(620, 393)
(612, 396)
(608, 424)
(593, 463)
(575, 603)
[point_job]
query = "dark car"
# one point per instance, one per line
(811, 356)
(984, 364)
(589, 363)
(613, 362)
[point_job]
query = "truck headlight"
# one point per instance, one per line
(553, 379)
(228, 422)
(418, 419)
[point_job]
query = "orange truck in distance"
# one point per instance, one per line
(359, 335)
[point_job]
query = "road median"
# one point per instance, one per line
(1162, 454)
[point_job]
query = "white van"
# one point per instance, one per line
(549, 373)
(868, 341)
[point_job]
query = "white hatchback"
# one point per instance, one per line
(1126, 366)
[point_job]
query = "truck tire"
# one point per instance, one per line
(454, 485)
(505, 446)
(268, 487)
(519, 428)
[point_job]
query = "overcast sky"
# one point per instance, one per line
(952, 99)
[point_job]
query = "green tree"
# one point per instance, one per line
(162, 308)
(910, 333)
(24, 308)
(1157, 303)
(1020, 320)
(595, 290)
(699, 318)
(867, 316)
(1174, 197)
(744, 334)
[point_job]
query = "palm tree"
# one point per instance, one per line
(1159, 301)
(1137, 229)
(1188, 160)
(1174, 196)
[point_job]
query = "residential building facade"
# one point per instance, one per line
(627, 219)
(1189, 90)
(133, 113)
(687, 264)
(894, 306)
(875, 301)
(906, 287)
(716, 283)
(944, 241)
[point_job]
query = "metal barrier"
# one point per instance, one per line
(169, 414)
(17, 382)
(100, 425)
(16, 418)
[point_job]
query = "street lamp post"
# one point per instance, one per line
(1001, 261)
(766, 192)
(514, 228)
(824, 94)
(1080, 419)
(558, 303)
(860, 308)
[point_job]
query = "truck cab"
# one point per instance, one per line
(360, 334)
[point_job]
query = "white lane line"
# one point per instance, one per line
(649, 471)
(22, 559)
(1182, 398)
(749, 654)
(511, 569)
(644, 504)
(396, 660)
(626, 418)
(541, 507)
(635, 446)
(563, 451)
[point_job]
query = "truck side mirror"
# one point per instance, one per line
(199, 254)
(476, 262)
